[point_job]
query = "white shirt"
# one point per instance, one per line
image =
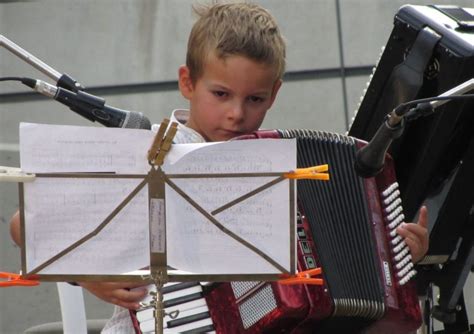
(184, 134)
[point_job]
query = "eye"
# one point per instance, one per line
(219, 93)
(256, 99)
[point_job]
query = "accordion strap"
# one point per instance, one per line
(406, 78)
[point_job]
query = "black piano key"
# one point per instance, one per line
(188, 319)
(204, 329)
(183, 299)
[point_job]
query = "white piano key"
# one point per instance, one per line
(172, 295)
(148, 326)
(179, 286)
(184, 314)
(187, 306)
(151, 288)
(147, 314)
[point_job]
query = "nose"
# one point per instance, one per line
(236, 112)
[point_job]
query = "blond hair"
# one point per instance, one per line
(242, 29)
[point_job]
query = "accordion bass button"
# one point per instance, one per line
(396, 221)
(403, 272)
(402, 263)
(394, 205)
(392, 215)
(391, 188)
(389, 199)
(396, 240)
(399, 247)
(400, 255)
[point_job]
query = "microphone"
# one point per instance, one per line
(370, 159)
(70, 92)
(92, 107)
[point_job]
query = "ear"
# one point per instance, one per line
(275, 89)
(185, 83)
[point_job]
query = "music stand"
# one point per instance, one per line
(156, 180)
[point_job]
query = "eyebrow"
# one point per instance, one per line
(219, 86)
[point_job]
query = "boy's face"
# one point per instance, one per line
(230, 98)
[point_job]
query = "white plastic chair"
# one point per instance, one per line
(73, 311)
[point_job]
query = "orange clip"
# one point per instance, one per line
(15, 280)
(304, 277)
(315, 173)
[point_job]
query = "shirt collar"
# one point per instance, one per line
(184, 133)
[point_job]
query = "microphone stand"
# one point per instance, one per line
(63, 80)
(458, 90)
(370, 159)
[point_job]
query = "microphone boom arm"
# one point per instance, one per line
(458, 90)
(63, 80)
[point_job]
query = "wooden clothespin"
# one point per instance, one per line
(162, 142)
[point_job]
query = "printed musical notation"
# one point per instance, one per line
(58, 211)
(63, 210)
(60, 149)
(262, 220)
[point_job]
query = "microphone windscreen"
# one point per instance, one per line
(136, 120)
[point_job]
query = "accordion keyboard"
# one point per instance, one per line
(185, 306)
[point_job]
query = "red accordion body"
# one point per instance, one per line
(348, 229)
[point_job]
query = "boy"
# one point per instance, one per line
(234, 68)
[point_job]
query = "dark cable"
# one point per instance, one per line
(423, 104)
(27, 81)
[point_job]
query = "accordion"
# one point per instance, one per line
(345, 226)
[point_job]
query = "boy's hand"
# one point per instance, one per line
(117, 293)
(416, 235)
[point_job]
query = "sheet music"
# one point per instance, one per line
(48, 148)
(60, 211)
(57, 216)
(196, 245)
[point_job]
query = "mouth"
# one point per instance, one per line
(232, 133)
